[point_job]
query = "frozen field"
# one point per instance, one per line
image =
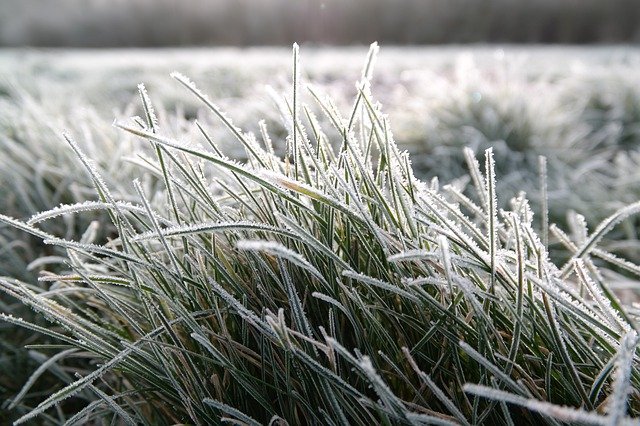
(578, 106)
(318, 263)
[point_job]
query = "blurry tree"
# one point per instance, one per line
(116, 23)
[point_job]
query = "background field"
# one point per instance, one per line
(579, 106)
(100, 23)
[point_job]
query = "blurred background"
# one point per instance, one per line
(146, 23)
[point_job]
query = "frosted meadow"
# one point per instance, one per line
(440, 236)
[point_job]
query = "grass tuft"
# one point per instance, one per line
(330, 286)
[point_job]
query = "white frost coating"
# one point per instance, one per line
(492, 207)
(268, 144)
(476, 176)
(415, 254)
(438, 282)
(148, 107)
(93, 248)
(295, 109)
(464, 200)
(363, 213)
(38, 329)
(237, 132)
(457, 234)
(111, 279)
(331, 301)
(212, 227)
(611, 315)
(99, 183)
(576, 308)
(470, 290)
(63, 209)
(602, 229)
(90, 234)
(111, 403)
(279, 250)
(299, 187)
(463, 220)
(385, 394)
(15, 223)
(45, 260)
(622, 263)
(622, 378)
(579, 225)
(446, 261)
(67, 209)
(44, 366)
(434, 388)
(255, 151)
(562, 413)
(408, 207)
(497, 371)
(238, 415)
(310, 240)
(370, 62)
(248, 315)
(75, 387)
(381, 284)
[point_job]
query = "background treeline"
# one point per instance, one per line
(272, 22)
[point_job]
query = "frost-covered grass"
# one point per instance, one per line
(579, 107)
(319, 280)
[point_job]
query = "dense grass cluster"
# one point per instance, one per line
(324, 284)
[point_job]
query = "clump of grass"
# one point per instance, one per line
(585, 126)
(37, 171)
(327, 286)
